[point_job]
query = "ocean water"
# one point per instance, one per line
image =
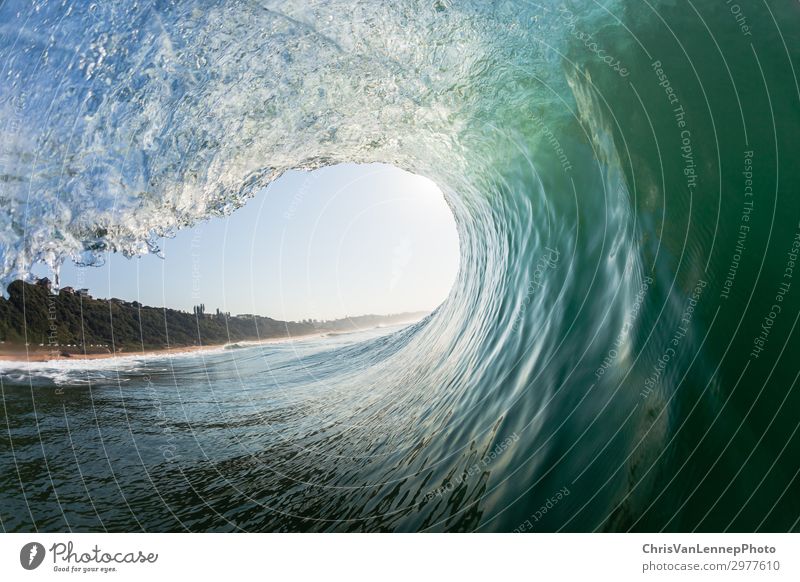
(617, 353)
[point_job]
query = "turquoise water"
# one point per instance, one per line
(621, 335)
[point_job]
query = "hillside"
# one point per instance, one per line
(72, 322)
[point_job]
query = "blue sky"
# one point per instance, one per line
(345, 240)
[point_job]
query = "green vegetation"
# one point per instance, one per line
(76, 322)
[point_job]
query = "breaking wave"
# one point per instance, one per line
(595, 160)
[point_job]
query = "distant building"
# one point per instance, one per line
(44, 282)
(83, 293)
(68, 290)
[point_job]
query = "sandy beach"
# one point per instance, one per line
(16, 353)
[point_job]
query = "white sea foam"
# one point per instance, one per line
(154, 124)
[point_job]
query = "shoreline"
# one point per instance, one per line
(20, 355)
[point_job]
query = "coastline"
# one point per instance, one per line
(20, 355)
